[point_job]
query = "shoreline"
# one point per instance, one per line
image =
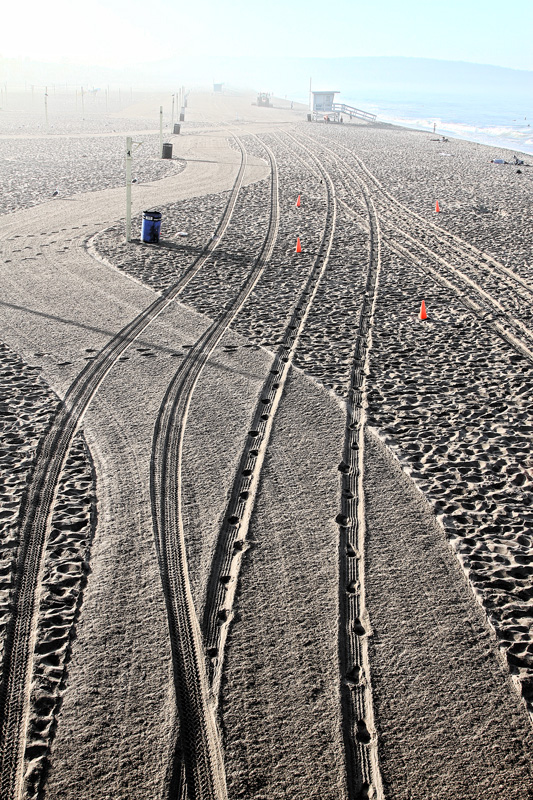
(442, 130)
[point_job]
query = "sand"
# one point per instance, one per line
(408, 677)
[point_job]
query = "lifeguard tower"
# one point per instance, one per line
(323, 103)
(325, 109)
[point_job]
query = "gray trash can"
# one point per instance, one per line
(167, 150)
(177, 128)
(182, 117)
(151, 227)
(309, 117)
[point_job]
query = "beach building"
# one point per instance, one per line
(324, 108)
(323, 102)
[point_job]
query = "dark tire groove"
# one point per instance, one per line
(487, 308)
(225, 568)
(35, 518)
(359, 733)
(200, 741)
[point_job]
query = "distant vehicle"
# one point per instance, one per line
(263, 99)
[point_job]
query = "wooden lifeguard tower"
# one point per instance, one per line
(325, 109)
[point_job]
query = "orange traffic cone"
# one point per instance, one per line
(437, 208)
(423, 314)
(298, 245)
(298, 202)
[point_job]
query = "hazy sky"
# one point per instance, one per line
(120, 32)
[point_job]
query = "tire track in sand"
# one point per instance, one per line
(503, 625)
(36, 514)
(360, 736)
(362, 766)
(422, 239)
(199, 739)
(231, 542)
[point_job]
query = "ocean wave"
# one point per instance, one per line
(502, 136)
(503, 126)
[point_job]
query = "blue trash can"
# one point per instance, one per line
(151, 227)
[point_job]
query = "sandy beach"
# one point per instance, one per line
(265, 532)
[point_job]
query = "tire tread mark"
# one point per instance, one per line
(478, 257)
(488, 316)
(514, 329)
(359, 732)
(479, 310)
(200, 741)
(35, 516)
(229, 549)
(461, 246)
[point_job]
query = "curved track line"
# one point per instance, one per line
(497, 307)
(463, 250)
(35, 519)
(200, 741)
(226, 564)
(462, 247)
(460, 244)
(360, 736)
(484, 315)
(356, 688)
(489, 309)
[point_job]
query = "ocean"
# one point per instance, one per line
(498, 119)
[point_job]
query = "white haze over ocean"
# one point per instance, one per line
(487, 104)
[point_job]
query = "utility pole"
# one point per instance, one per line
(129, 145)
(172, 126)
(46, 105)
(160, 131)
